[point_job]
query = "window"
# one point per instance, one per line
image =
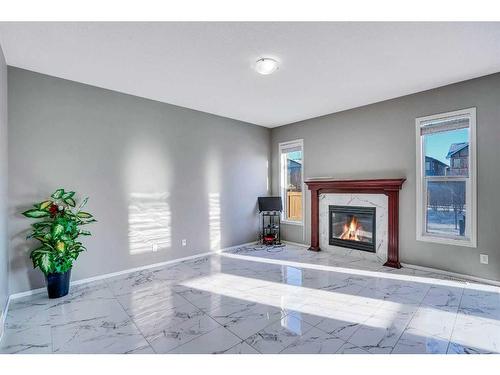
(291, 180)
(446, 178)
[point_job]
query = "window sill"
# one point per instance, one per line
(447, 241)
(288, 222)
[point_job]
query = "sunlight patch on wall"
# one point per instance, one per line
(213, 179)
(214, 227)
(149, 222)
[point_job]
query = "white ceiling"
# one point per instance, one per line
(325, 67)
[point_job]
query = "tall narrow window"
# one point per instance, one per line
(446, 178)
(291, 180)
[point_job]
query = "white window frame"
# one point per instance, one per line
(282, 175)
(470, 239)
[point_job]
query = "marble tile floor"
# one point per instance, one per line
(259, 300)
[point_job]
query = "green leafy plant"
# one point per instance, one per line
(58, 231)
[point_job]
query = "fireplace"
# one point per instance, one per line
(352, 227)
(387, 225)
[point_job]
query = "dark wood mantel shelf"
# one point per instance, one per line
(389, 187)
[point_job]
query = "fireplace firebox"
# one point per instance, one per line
(352, 227)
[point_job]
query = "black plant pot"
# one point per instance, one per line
(58, 284)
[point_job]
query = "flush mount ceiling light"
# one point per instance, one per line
(266, 66)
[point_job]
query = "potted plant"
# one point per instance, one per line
(58, 233)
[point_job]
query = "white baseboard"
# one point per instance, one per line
(3, 318)
(130, 270)
(453, 274)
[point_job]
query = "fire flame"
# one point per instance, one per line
(352, 230)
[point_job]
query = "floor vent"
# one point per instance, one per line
(461, 281)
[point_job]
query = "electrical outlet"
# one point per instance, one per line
(483, 258)
(154, 247)
(184, 242)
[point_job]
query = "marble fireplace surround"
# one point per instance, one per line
(379, 201)
(363, 188)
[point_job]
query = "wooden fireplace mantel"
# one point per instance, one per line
(389, 187)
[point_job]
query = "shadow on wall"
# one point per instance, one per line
(149, 222)
(20, 248)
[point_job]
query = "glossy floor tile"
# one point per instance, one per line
(262, 300)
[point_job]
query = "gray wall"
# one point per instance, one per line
(4, 281)
(379, 141)
(137, 159)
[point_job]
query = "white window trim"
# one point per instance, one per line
(471, 189)
(281, 146)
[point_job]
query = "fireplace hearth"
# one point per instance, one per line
(352, 227)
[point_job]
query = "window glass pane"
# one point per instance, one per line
(446, 209)
(447, 153)
(293, 184)
(447, 188)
